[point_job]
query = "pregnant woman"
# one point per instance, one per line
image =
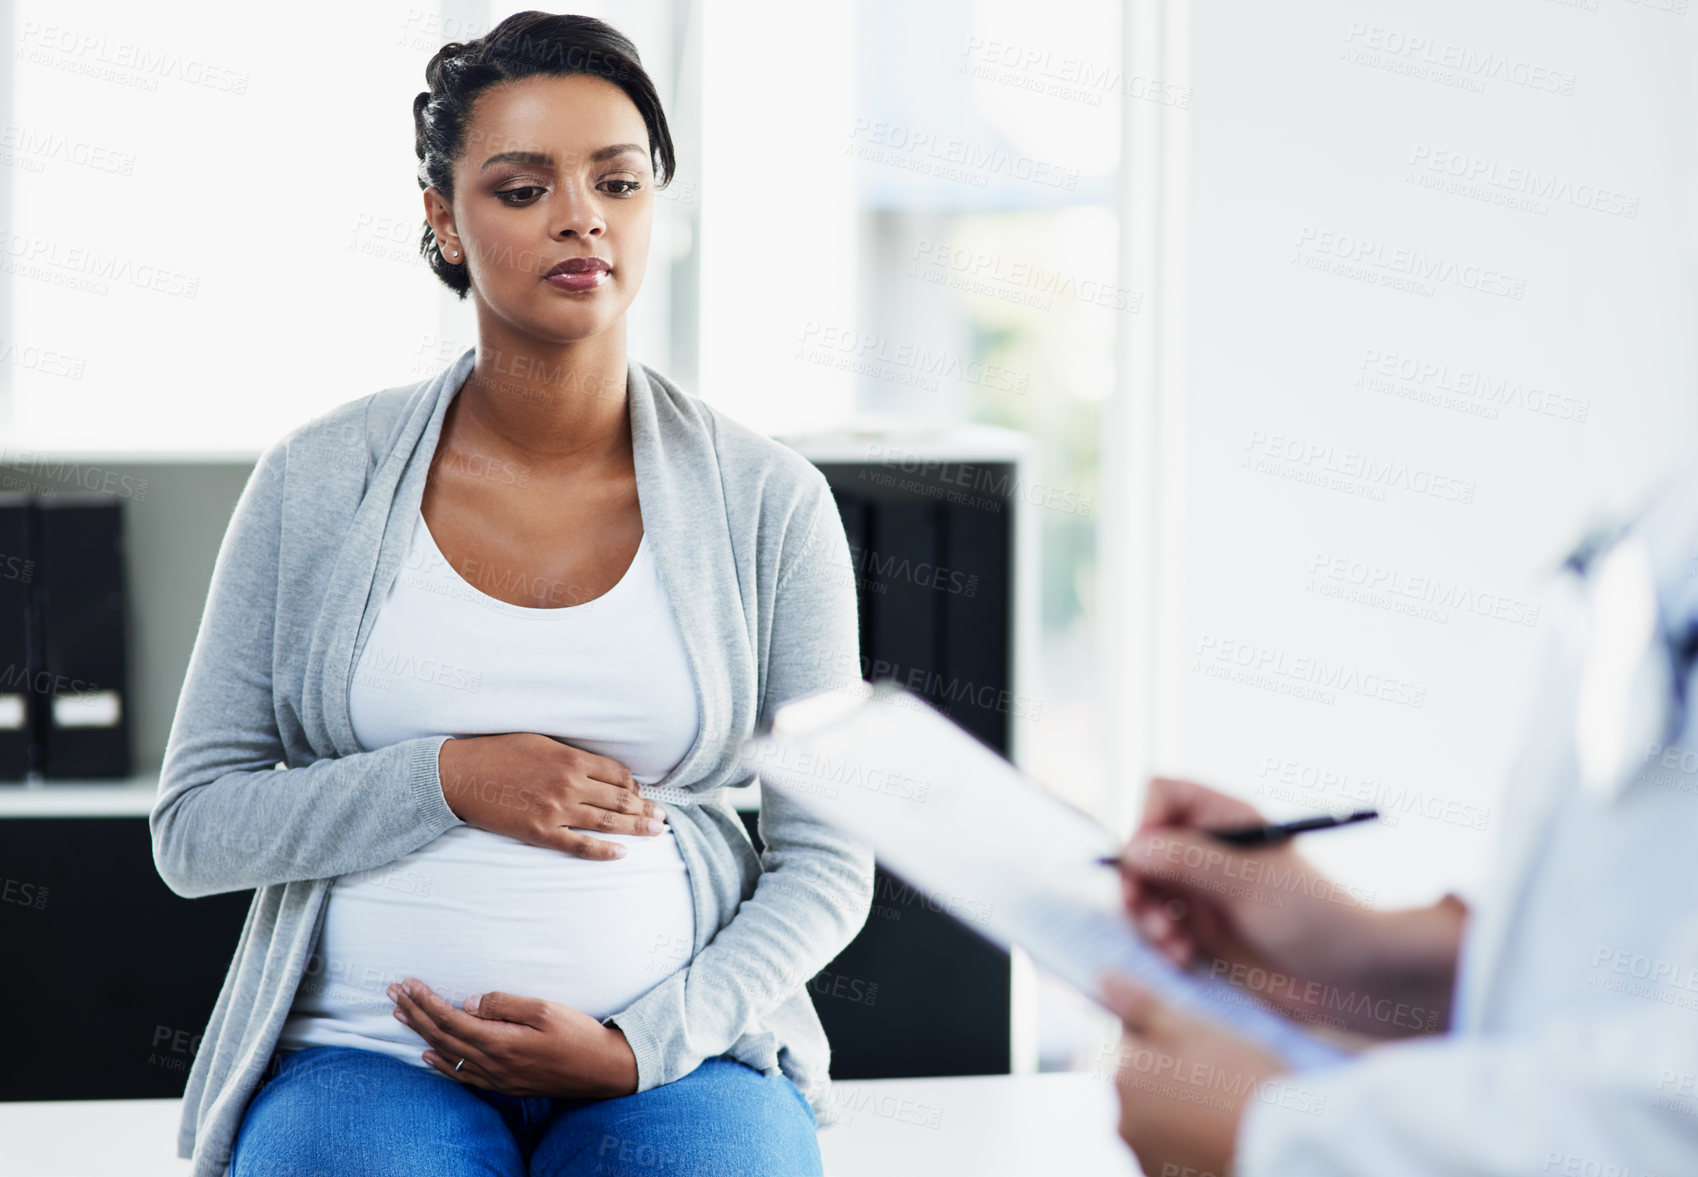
(476, 659)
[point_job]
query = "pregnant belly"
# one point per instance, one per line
(475, 911)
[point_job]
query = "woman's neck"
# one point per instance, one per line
(546, 405)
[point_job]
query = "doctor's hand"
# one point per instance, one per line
(518, 1045)
(1269, 921)
(1184, 1083)
(540, 790)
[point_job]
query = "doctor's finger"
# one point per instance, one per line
(1174, 926)
(1138, 1009)
(1183, 862)
(1148, 904)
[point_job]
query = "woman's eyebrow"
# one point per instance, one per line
(542, 159)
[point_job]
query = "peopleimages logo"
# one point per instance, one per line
(1351, 255)
(1516, 187)
(1437, 59)
(987, 485)
(871, 353)
(876, 573)
(105, 58)
(1073, 78)
(1301, 675)
(1330, 1003)
(1430, 381)
(82, 267)
(1312, 785)
(1350, 471)
(950, 157)
(1028, 283)
(39, 146)
(1400, 591)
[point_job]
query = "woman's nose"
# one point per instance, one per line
(579, 213)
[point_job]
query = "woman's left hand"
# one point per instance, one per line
(1183, 1082)
(518, 1045)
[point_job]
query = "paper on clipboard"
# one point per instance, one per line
(988, 845)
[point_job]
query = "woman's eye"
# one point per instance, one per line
(506, 193)
(625, 187)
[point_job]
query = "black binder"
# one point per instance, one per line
(82, 688)
(934, 583)
(18, 750)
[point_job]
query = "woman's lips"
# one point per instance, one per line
(577, 280)
(579, 273)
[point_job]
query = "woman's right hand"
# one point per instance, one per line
(539, 790)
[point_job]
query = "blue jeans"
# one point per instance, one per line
(330, 1111)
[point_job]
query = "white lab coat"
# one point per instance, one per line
(1575, 1046)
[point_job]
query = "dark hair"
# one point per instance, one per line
(523, 45)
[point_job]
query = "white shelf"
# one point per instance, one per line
(134, 798)
(23, 455)
(900, 442)
(120, 798)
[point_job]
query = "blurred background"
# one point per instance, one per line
(1333, 324)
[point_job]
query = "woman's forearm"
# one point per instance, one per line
(244, 829)
(811, 901)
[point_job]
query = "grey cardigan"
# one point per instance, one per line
(264, 785)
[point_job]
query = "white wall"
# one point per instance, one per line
(1323, 133)
(216, 218)
(217, 224)
(778, 209)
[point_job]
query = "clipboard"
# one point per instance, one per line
(989, 846)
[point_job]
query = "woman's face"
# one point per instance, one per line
(554, 169)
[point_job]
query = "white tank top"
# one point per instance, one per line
(475, 911)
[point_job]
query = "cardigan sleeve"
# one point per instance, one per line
(228, 819)
(816, 886)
